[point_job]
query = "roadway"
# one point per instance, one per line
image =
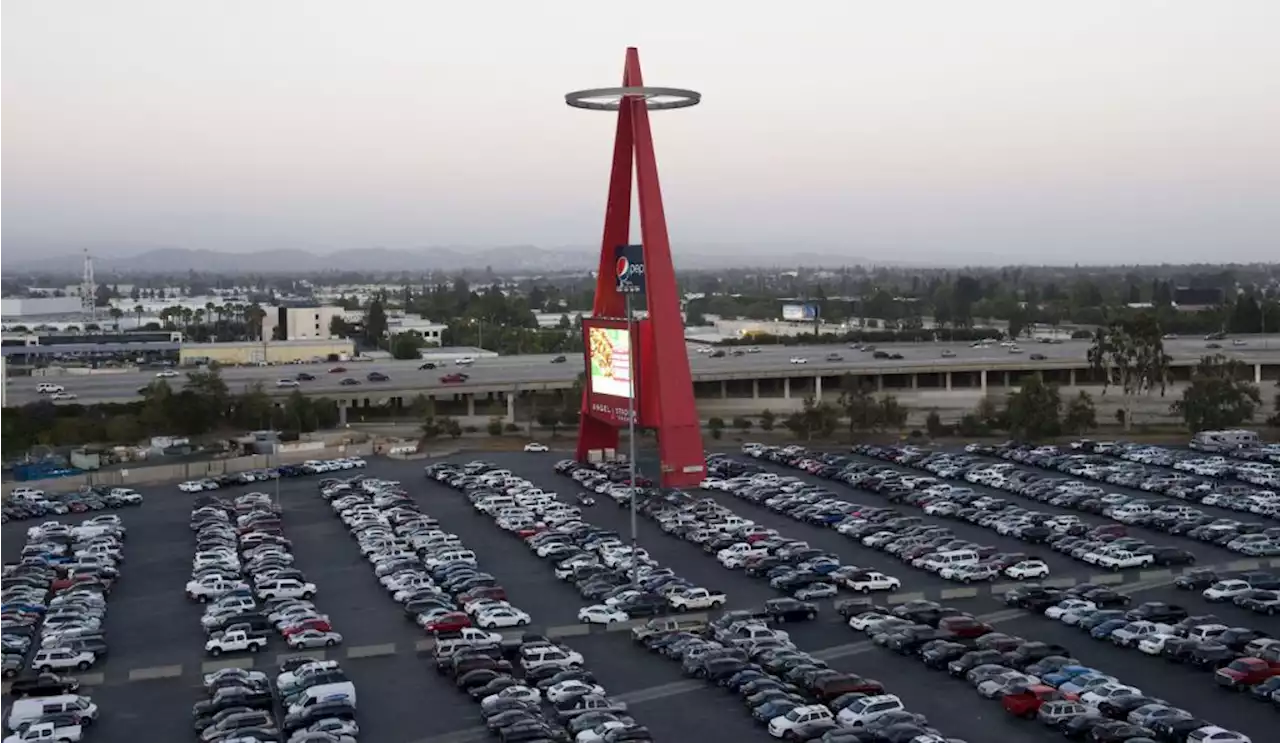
(532, 369)
(145, 688)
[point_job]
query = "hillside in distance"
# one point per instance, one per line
(504, 260)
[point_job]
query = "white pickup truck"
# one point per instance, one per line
(48, 732)
(1120, 560)
(695, 598)
(736, 556)
(235, 640)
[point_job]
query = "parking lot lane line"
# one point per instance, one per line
(568, 630)
(213, 666)
(425, 645)
(959, 593)
(90, 679)
(1000, 589)
(1059, 583)
(902, 598)
(1244, 565)
(623, 626)
(1147, 575)
(371, 651)
(155, 672)
(656, 693)
(1107, 579)
(316, 654)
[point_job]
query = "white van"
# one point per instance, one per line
(26, 710)
(343, 691)
(1131, 513)
(494, 503)
(951, 559)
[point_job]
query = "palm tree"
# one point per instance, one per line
(139, 311)
(116, 313)
(186, 314)
(253, 317)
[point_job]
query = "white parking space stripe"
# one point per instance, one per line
(902, 598)
(213, 666)
(372, 651)
(569, 630)
(155, 672)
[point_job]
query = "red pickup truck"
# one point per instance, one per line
(1242, 673)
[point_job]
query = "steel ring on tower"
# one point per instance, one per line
(655, 99)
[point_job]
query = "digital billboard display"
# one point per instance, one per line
(610, 351)
(799, 312)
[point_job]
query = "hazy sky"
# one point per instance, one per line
(1021, 130)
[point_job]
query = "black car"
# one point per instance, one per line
(44, 685)
(1114, 731)
(377, 377)
(558, 360)
(1157, 611)
(305, 377)
(1169, 555)
(1210, 655)
(645, 606)
(1177, 729)
(939, 653)
(427, 366)
(790, 610)
(1196, 580)
(1105, 598)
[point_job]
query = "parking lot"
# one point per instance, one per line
(147, 685)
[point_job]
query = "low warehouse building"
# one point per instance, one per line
(270, 352)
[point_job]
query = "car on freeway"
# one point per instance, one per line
(377, 377)
(349, 382)
(798, 360)
(535, 446)
(166, 374)
(287, 383)
(454, 378)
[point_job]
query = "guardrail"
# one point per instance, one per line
(148, 475)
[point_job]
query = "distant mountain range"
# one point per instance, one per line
(504, 260)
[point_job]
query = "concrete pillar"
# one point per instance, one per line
(1006, 378)
(342, 414)
(755, 389)
(817, 388)
(786, 388)
(879, 383)
(947, 380)
(724, 389)
(471, 405)
(915, 381)
(983, 380)
(1071, 377)
(511, 407)
(1257, 373)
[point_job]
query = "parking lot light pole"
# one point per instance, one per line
(631, 445)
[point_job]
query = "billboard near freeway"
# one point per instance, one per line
(800, 312)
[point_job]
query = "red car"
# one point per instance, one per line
(315, 623)
(964, 627)
(451, 622)
(497, 593)
(455, 378)
(1243, 672)
(1026, 703)
(338, 370)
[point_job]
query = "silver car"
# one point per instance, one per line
(1054, 713)
(311, 638)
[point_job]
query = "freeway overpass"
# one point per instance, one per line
(768, 373)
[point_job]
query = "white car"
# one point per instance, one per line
(601, 614)
(49, 388)
(1215, 734)
(503, 616)
(780, 726)
(311, 638)
(166, 374)
(1225, 590)
(1154, 644)
(286, 588)
(535, 446)
(191, 486)
(64, 396)
(1062, 608)
(520, 692)
(570, 689)
(597, 733)
(286, 383)
(49, 660)
(864, 620)
(213, 587)
(799, 360)
(464, 361)
(1027, 570)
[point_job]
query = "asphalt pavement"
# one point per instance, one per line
(539, 368)
(152, 676)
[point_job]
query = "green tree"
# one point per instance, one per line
(1035, 410)
(742, 423)
(300, 413)
(123, 429)
(860, 408)
(1218, 397)
(892, 413)
(431, 428)
(254, 408)
(375, 322)
(933, 424)
(716, 425)
(1130, 355)
(451, 427)
(550, 420)
(768, 419)
(405, 346)
(495, 426)
(1081, 415)
(422, 406)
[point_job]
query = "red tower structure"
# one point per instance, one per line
(650, 351)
